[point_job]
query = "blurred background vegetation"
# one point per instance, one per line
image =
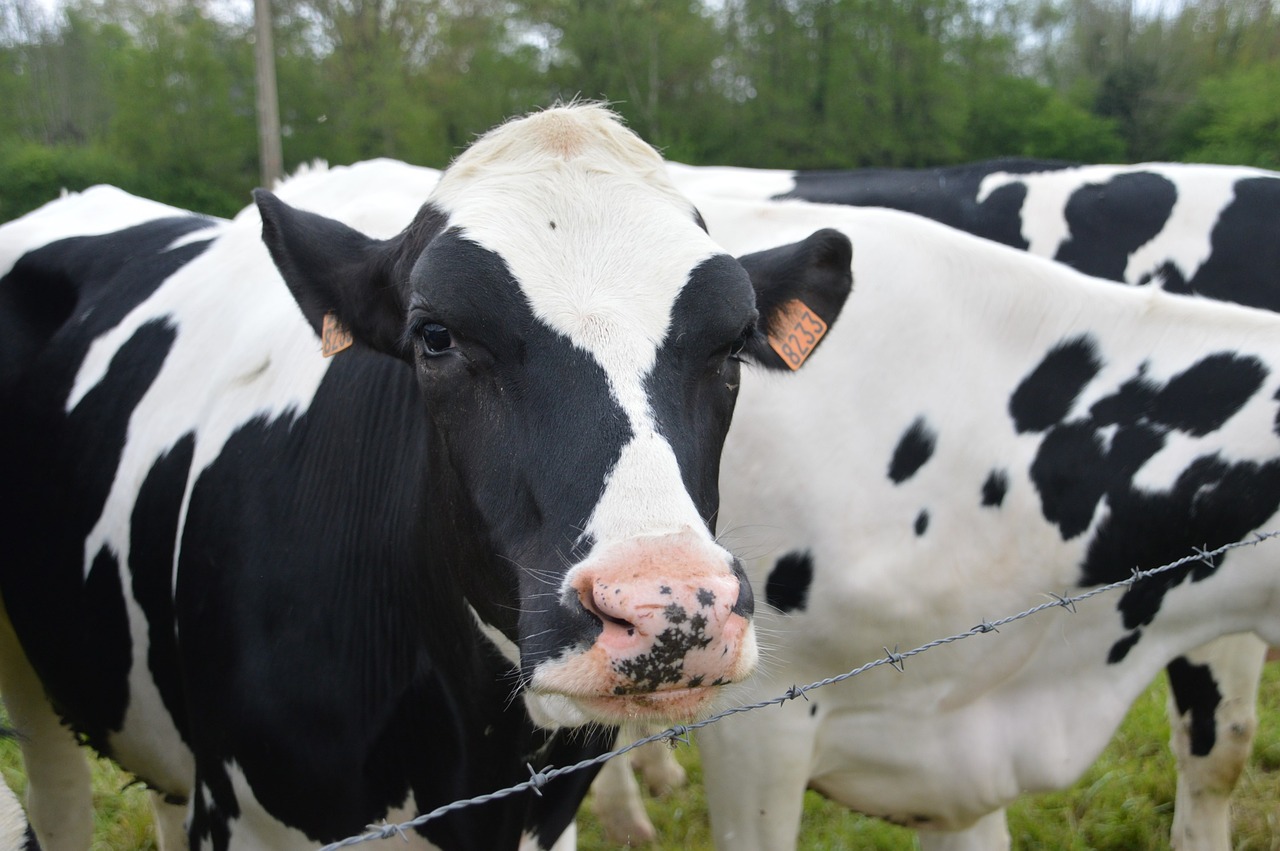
(157, 96)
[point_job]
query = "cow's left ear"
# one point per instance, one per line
(332, 268)
(800, 290)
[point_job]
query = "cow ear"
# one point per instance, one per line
(334, 269)
(800, 289)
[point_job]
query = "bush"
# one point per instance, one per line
(32, 175)
(1014, 116)
(1237, 118)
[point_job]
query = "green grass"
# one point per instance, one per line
(121, 814)
(1123, 803)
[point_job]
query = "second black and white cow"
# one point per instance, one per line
(1203, 229)
(277, 586)
(984, 428)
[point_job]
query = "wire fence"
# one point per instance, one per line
(679, 733)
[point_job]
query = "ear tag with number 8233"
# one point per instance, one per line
(334, 336)
(795, 333)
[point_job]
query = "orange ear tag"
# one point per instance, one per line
(334, 336)
(795, 333)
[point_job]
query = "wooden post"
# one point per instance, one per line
(270, 157)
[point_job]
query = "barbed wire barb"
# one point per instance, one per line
(894, 659)
(1065, 602)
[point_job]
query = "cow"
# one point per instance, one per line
(297, 594)
(1202, 229)
(983, 427)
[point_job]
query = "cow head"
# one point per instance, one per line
(576, 336)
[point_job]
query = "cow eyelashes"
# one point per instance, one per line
(436, 339)
(737, 346)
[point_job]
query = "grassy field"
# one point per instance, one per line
(1124, 803)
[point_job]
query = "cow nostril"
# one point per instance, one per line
(588, 600)
(619, 622)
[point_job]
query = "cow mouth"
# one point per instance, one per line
(675, 705)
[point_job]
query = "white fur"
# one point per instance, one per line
(376, 197)
(971, 726)
(13, 821)
(731, 182)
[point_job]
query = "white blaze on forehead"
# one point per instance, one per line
(600, 244)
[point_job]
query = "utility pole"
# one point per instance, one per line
(270, 157)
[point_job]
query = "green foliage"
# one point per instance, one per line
(159, 95)
(1017, 116)
(1240, 118)
(32, 174)
(189, 113)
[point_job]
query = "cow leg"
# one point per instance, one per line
(59, 790)
(616, 799)
(989, 833)
(170, 820)
(658, 766)
(755, 771)
(617, 803)
(1213, 714)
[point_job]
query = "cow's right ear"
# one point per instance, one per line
(800, 290)
(334, 269)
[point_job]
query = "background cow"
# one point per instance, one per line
(983, 428)
(1203, 229)
(277, 585)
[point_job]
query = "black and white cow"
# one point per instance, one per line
(277, 586)
(1204, 229)
(984, 427)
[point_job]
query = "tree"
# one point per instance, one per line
(184, 108)
(1239, 118)
(1014, 116)
(653, 60)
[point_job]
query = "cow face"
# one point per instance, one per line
(576, 336)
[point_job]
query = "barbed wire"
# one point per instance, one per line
(679, 733)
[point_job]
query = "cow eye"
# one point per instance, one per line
(737, 346)
(436, 339)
